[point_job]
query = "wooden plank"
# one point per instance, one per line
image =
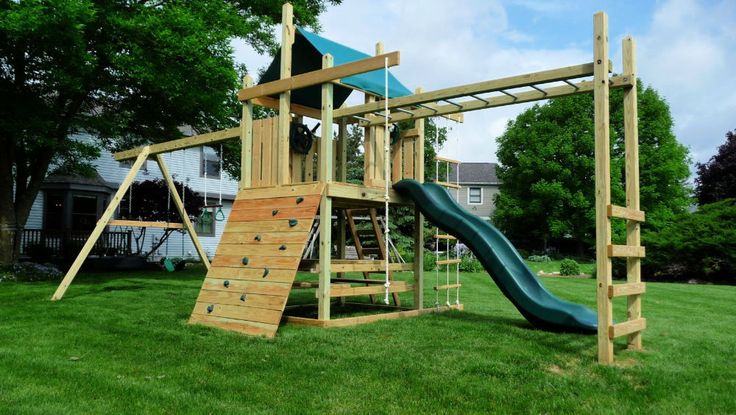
(247, 286)
(602, 185)
(626, 251)
(450, 237)
(256, 261)
(280, 225)
(448, 261)
(257, 178)
(419, 148)
(447, 160)
(625, 213)
(450, 185)
(246, 139)
(352, 321)
(261, 249)
(408, 157)
(182, 211)
(341, 290)
(397, 162)
(269, 302)
(145, 224)
(552, 75)
(265, 214)
(277, 202)
(260, 315)
(271, 192)
(180, 144)
(323, 76)
(325, 210)
(631, 149)
(351, 265)
(581, 87)
(626, 328)
(246, 327)
(281, 138)
(251, 274)
(249, 238)
(351, 191)
(447, 287)
(297, 109)
(630, 288)
(418, 259)
(101, 224)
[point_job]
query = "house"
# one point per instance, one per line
(479, 185)
(68, 207)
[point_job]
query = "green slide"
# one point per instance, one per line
(499, 257)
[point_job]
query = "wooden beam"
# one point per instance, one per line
(321, 76)
(343, 290)
(628, 289)
(246, 140)
(626, 251)
(627, 327)
(182, 143)
(145, 224)
(352, 321)
(552, 75)
(418, 217)
(448, 261)
(447, 160)
(447, 287)
(182, 211)
(101, 224)
(297, 109)
(283, 175)
(353, 265)
(325, 210)
(626, 213)
(602, 185)
(503, 100)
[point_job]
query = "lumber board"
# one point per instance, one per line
(448, 261)
(450, 185)
(627, 289)
(320, 76)
(627, 327)
(517, 81)
(444, 237)
(297, 109)
(270, 191)
(342, 290)
(246, 139)
(280, 225)
(626, 251)
(249, 238)
(352, 321)
(259, 315)
(145, 224)
(248, 287)
(626, 213)
(261, 249)
(266, 214)
(180, 144)
(270, 302)
(270, 262)
(250, 328)
(251, 274)
(349, 191)
(419, 220)
(447, 287)
(355, 266)
(408, 157)
(447, 160)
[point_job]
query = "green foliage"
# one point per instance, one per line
(717, 178)
(470, 263)
(547, 170)
(539, 258)
(569, 267)
(699, 245)
(149, 201)
(30, 272)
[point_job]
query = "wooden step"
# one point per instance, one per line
(629, 288)
(444, 237)
(355, 265)
(625, 213)
(627, 327)
(448, 261)
(626, 251)
(369, 251)
(145, 224)
(450, 185)
(447, 287)
(445, 159)
(345, 291)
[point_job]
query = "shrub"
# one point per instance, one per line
(539, 258)
(569, 267)
(31, 271)
(470, 263)
(699, 245)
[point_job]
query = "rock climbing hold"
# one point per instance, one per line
(299, 199)
(293, 222)
(245, 260)
(210, 308)
(242, 297)
(282, 248)
(274, 212)
(258, 238)
(265, 272)
(226, 283)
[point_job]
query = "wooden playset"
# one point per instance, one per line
(284, 187)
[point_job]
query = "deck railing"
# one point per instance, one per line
(55, 243)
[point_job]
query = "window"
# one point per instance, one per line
(475, 195)
(84, 212)
(209, 162)
(54, 211)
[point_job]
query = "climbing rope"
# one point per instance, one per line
(387, 175)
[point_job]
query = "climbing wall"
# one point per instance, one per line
(247, 287)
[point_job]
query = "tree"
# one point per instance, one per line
(717, 178)
(547, 170)
(126, 72)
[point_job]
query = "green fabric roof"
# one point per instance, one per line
(306, 56)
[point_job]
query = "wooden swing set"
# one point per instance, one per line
(248, 283)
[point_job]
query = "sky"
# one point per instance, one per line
(682, 52)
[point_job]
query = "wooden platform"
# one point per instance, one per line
(249, 282)
(352, 321)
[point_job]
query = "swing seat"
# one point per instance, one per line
(169, 265)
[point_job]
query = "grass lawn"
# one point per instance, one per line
(119, 343)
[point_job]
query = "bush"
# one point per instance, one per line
(539, 258)
(699, 245)
(569, 267)
(470, 263)
(31, 271)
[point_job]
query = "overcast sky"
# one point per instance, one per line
(683, 52)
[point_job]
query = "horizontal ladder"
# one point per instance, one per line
(447, 287)
(625, 213)
(626, 251)
(627, 327)
(623, 290)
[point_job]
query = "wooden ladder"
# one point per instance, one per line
(380, 250)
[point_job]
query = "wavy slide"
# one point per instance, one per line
(499, 257)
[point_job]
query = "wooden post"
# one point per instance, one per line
(380, 140)
(602, 185)
(631, 144)
(325, 210)
(287, 40)
(418, 218)
(182, 210)
(101, 224)
(246, 139)
(342, 176)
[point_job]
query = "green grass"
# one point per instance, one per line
(119, 343)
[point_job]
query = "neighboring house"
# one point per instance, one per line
(68, 207)
(479, 187)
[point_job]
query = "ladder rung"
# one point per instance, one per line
(447, 287)
(444, 237)
(625, 213)
(629, 288)
(626, 251)
(445, 184)
(445, 159)
(627, 327)
(448, 261)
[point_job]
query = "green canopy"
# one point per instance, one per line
(306, 56)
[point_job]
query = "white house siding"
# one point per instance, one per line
(184, 165)
(486, 208)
